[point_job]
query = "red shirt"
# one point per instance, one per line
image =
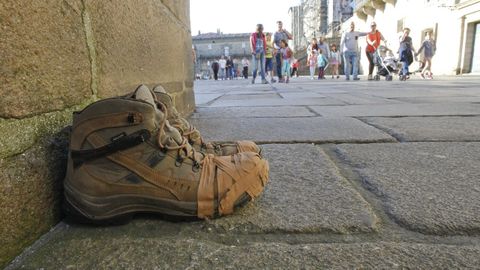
(377, 37)
(253, 41)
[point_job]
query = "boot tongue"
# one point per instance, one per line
(167, 100)
(143, 93)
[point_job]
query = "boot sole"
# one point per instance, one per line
(120, 209)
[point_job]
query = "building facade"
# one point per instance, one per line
(316, 18)
(211, 46)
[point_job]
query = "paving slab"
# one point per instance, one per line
(297, 94)
(357, 99)
(173, 252)
(252, 112)
(432, 188)
(445, 99)
(444, 109)
(271, 130)
(414, 92)
(216, 86)
(250, 96)
(252, 102)
(430, 128)
(306, 194)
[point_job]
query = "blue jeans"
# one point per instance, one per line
(222, 73)
(349, 60)
(405, 68)
(278, 62)
(258, 63)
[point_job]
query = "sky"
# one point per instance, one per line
(239, 16)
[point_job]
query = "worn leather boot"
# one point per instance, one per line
(126, 158)
(193, 135)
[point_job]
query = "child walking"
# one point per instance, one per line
(287, 57)
(335, 60)
(321, 63)
(312, 62)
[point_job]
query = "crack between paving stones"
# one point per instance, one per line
(389, 131)
(313, 111)
(212, 101)
(317, 142)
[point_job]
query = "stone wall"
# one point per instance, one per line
(57, 57)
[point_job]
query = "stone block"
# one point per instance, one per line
(433, 109)
(180, 8)
(45, 61)
(429, 128)
(251, 112)
(431, 188)
(301, 129)
(305, 194)
(18, 135)
(30, 194)
(139, 44)
(113, 250)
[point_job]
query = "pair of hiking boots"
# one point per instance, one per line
(136, 154)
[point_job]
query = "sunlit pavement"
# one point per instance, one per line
(363, 174)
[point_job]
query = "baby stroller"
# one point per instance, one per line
(386, 63)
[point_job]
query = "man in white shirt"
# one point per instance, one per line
(349, 47)
(223, 64)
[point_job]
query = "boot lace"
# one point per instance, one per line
(183, 151)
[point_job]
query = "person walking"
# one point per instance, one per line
(429, 48)
(322, 62)
(406, 52)
(269, 57)
(295, 66)
(312, 62)
(278, 36)
(323, 45)
(215, 68)
(312, 46)
(374, 38)
(229, 66)
(245, 64)
(258, 48)
(287, 54)
(335, 60)
(223, 65)
(349, 47)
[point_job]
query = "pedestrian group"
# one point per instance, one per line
(267, 47)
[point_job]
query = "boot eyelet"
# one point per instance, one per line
(195, 166)
(178, 161)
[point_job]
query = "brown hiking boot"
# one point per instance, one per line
(126, 158)
(193, 135)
